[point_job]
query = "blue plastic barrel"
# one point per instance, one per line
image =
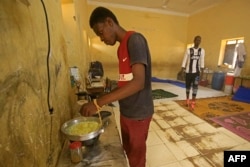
(218, 80)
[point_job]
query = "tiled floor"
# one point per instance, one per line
(178, 138)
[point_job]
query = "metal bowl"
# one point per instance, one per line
(85, 137)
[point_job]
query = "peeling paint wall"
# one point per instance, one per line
(30, 134)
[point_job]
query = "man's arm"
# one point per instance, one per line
(133, 86)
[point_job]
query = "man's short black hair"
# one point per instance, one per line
(197, 36)
(100, 14)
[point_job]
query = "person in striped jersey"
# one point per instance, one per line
(193, 66)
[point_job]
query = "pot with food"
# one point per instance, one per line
(85, 129)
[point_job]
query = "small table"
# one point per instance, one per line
(208, 75)
(242, 78)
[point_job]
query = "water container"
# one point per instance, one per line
(218, 80)
(229, 82)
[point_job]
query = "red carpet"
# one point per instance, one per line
(236, 123)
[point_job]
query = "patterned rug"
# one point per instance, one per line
(236, 123)
(161, 94)
(207, 108)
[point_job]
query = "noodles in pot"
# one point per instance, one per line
(83, 128)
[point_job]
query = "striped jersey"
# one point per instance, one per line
(193, 60)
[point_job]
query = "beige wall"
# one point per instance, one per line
(226, 21)
(169, 35)
(166, 35)
(75, 32)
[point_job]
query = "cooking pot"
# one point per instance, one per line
(92, 137)
(84, 137)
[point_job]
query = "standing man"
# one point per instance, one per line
(134, 84)
(193, 66)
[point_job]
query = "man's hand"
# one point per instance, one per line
(88, 109)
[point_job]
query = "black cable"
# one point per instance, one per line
(48, 54)
(50, 157)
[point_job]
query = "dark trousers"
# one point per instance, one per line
(192, 79)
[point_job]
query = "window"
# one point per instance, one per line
(228, 55)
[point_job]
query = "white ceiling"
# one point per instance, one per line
(185, 7)
(177, 7)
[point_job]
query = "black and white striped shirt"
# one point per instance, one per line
(193, 62)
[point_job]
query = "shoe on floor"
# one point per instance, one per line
(192, 105)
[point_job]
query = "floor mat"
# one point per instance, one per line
(236, 123)
(207, 108)
(242, 94)
(161, 94)
(176, 83)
